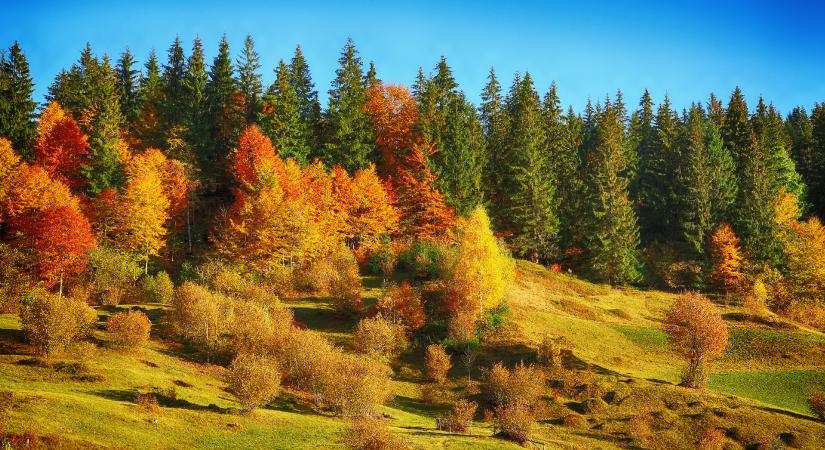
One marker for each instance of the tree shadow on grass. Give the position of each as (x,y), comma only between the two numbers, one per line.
(320,318)
(13,342)
(130,396)
(415,406)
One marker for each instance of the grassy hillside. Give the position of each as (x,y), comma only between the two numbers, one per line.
(618,352)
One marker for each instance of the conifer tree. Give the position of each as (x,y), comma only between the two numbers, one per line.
(128,87)
(642,135)
(308,105)
(224,107)
(570,186)
(612,234)
(249,80)
(280,118)
(771,135)
(17,108)
(371,79)
(348,137)
(814,165)
(194,86)
(149,128)
(494,126)
(174,100)
(531,199)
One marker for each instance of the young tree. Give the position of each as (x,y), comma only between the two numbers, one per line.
(61,147)
(17,107)
(255,380)
(437,363)
(806,267)
(726,258)
(51,323)
(697,333)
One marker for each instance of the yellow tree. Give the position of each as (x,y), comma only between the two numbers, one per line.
(483,268)
(806,266)
(726,258)
(371,213)
(144,208)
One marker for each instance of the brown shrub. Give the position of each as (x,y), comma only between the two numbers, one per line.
(513,421)
(345,286)
(129,329)
(254,380)
(307,361)
(402,304)
(549,354)
(200,315)
(523,384)
(358,386)
(434,393)
(259,330)
(438,363)
(380,338)
(639,428)
(148,402)
(712,439)
(698,334)
(817,403)
(51,322)
(574,420)
(370,434)
(459,418)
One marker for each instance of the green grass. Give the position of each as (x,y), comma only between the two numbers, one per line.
(785,389)
(649,339)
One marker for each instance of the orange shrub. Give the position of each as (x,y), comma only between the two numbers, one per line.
(712,439)
(370,434)
(129,329)
(254,380)
(402,304)
(379,337)
(459,418)
(258,329)
(513,421)
(438,363)
(698,334)
(817,403)
(524,384)
(358,386)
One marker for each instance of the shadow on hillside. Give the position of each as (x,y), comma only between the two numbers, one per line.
(787,413)
(320,319)
(118,395)
(13,342)
(130,396)
(289,404)
(415,406)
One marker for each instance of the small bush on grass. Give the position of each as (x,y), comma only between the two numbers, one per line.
(639,428)
(513,421)
(438,363)
(158,288)
(148,401)
(51,322)
(345,285)
(358,386)
(254,380)
(574,420)
(113,273)
(402,304)
(129,329)
(817,403)
(523,384)
(712,439)
(370,434)
(549,354)
(380,338)
(258,329)
(459,418)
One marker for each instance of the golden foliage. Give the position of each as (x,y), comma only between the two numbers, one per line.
(697,333)
(255,380)
(129,329)
(726,257)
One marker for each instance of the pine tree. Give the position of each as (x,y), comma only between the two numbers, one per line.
(194,86)
(348,137)
(103,118)
(494,126)
(371,79)
(642,136)
(224,108)
(174,100)
(281,118)
(249,80)
(127,85)
(530,189)
(814,164)
(772,137)
(612,235)
(149,127)
(308,105)
(567,167)
(17,108)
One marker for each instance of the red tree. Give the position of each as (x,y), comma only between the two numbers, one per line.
(61,151)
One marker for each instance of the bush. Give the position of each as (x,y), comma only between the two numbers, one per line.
(513,421)
(383,259)
(639,428)
(198,314)
(756,301)
(358,386)
(423,259)
(129,329)
(438,363)
(254,380)
(148,402)
(698,334)
(51,322)
(712,439)
(459,418)
(817,403)
(113,274)
(524,384)
(370,434)
(549,354)
(379,337)
(308,362)
(158,289)
(345,285)
(574,420)
(402,304)
(259,330)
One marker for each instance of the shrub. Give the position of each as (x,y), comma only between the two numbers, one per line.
(148,402)
(358,386)
(459,418)
(370,434)
(817,403)
(14,281)
(345,285)
(198,314)
(513,421)
(259,330)
(496,380)
(129,329)
(51,322)
(308,361)
(423,259)
(254,380)
(402,304)
(574,420)
(698,334)
(158,289)
(438,363)
(524,384)
(113,273)
(712,439)
(379,337)
(383,259)
(549,354)
(639,428)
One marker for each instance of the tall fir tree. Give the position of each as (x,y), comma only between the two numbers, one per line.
(611,232)
(249,80)
(194,87)
(308,105)
(772,136)
(104,119)
(224,110)
(149,127)
(811,162)
(128,79)
(349,139)
(17,107)
(494,126)
(280,118)
(531,201)
(174,93)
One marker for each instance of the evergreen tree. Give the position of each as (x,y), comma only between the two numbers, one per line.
(174,93)
(611,233)
(128,86)
(149,128)
(308,105)
(371,78)
(348,136)
(249,80)
(224,108)
(532,219)
(642,137)
(716,111)
(736,131)
(494,125)
(17,108)
(103,118)
(812,163)
(771,135)
(194,87)
(281,118)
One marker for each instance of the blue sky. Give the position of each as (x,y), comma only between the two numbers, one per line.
(772,49)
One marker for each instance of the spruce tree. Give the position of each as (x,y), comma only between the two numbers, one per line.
(249,80)
(105,168)
(772,136)
(281,118)
(309,107)
(531,201)
(174,93)
(611,237)
(348,136)
(494,126)
(224,107)
(127,85)
(194,87)
(371,79)
(812,162)
(17,107)
(149,127)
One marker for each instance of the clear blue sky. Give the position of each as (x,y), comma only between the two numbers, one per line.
(688,50)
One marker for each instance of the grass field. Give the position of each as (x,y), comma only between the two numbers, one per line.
(761,383)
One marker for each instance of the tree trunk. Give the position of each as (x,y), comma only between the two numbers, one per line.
(60,292)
